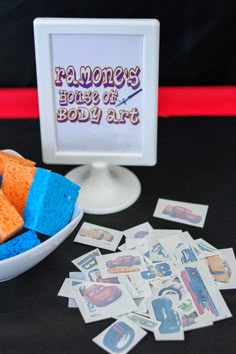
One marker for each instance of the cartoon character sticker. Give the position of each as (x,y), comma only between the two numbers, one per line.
(162,309)
(202,288)
(182,212)
(223,269)
(120,337)
(98,236)
(97,301)
(125,262)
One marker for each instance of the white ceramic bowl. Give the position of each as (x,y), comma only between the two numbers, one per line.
(14,266)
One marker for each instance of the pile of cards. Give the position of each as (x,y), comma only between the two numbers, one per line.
(161,281)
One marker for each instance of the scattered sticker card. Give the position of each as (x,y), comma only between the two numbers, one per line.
(98,236)
(127,262)
(182,212)
(97,301)
(120,337)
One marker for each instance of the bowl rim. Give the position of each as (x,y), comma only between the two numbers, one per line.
(51,239)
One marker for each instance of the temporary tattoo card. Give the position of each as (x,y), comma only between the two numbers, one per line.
(97,301)
(150,274)
(127,262)
(76,276)
(178,248)
(204,291)
(182,212)
(126,281)
(163,310)
(66,289)
(122,247)
(140,244)
(143,288)
(88,264)
(138,231)
(171,287)
(223,269)
(99,236)
(142,306)
(156,251)
(175,289)
(206,249)
(120,337)
(165,269)
(94,274)
(91,272)
(143,321)
(87,261)
(183,253)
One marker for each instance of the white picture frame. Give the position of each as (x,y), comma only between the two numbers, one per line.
(132,46)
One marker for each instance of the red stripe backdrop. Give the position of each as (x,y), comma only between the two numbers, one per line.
(173,102)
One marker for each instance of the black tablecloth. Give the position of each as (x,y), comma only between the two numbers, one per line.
(196,164)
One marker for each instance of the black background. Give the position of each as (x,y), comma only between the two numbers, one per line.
(197,38)
(196,164)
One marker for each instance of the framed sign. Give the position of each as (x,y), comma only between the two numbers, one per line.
(97,85)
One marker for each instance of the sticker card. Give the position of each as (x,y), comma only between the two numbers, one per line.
(203,289)
(122,247)
(156,251)
(206,249)
(98,236)
(164,269)
(75,276)
(150,274)
(223,269)
(91,272)
(142,306)
(178,248)
(118,263)
(143,321)
(143,288)
(98,301)
(94,275)
(182,212)
(160,233)
(175,289)
(162,310)
(137,244)
(120,337)
(139,231)
(87,261)
(66,289)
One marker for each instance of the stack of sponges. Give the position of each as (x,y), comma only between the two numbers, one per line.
(50,202)
(16,182)
(11,222)
(19,244)
(6,157)
(34,198)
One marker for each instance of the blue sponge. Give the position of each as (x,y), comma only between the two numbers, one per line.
(19,244)
(50,202)
(0,180)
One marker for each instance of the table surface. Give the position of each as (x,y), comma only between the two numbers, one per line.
(196,164)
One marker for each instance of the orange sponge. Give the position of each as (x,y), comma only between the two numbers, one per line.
(6,156)
(11,222)
(16,182)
